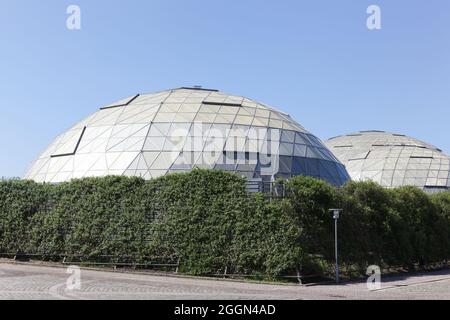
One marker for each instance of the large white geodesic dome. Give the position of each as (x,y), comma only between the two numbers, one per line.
(151,135)
(393,160)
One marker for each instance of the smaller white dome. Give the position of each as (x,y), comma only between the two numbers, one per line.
(393,160)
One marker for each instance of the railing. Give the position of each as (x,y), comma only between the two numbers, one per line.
(151,263)
(101,260)
(269,188)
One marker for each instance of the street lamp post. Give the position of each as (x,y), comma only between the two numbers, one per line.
(336,213)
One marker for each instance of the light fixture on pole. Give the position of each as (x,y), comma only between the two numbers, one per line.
(336,214)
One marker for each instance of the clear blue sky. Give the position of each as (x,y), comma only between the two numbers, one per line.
(314,59)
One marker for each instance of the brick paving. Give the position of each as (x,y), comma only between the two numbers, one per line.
(29,281)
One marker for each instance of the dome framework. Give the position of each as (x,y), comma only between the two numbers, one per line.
(151,135)
(393,160)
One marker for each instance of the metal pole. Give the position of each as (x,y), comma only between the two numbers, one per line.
(336,249)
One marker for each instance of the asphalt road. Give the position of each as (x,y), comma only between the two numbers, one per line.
(26,281)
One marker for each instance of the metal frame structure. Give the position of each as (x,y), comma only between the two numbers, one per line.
(151,135)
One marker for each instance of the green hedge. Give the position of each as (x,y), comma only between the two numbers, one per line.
(206,221)
(20,201)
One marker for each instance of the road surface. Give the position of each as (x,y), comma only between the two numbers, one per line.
(27,281)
